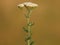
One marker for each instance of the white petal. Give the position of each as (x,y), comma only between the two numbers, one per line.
(30,4)
(21,5)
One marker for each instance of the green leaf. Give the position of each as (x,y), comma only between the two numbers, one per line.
(25,29)
(27,38)
(32,43)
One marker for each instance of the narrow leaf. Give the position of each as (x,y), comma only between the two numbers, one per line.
(25,29)
(32,43)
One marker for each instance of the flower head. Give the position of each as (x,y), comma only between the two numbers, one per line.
(28,5)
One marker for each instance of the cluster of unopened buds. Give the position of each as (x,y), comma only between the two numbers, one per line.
(29,6)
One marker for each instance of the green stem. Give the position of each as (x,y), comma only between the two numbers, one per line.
(29,30)
(28,27)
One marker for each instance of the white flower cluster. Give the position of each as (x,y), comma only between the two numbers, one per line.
(28,4)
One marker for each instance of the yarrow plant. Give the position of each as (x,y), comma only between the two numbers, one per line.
(29,6)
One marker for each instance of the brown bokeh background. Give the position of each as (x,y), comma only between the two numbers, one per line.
(46,17)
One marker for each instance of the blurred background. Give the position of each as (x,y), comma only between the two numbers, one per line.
(46,17)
